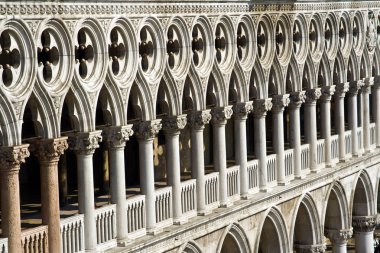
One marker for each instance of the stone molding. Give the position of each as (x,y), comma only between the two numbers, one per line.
(220,115)
(355,87)
(318,248)
(12,157)
(297,98)
(279,102)
(199,119)
(117,136)
(85,143)
(241,110)
(339,236)
(327,92)
(174,124)
(47,150)
(147,130)
(341,89)
(261,107)
(364,223)
(312,95)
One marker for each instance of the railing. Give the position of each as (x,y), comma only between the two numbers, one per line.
(335,148)
(305,158)
(360,139)
(35,240)
(253,177)
(372,135)
(233,181)
(289,164)
(3,245)
(72,234)
(321,153)
(106,227)
(136,216)
(188,198)
(347,141)
(271,169)
(164,207)
(212,190)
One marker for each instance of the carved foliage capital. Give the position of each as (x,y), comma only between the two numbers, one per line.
(85,143)
(297,98)
(174,124)
(355,87)
(318,248)
(364,223)
(261,107)
(280,102)
(12,157)
(339,236)
(341,89)
(199,119)
(116,137)
(327,92)
(221,115)
(241,110)
(313,95)
(49,149)
(147,130)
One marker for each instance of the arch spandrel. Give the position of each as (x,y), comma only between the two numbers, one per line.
(190,247)
(233,238)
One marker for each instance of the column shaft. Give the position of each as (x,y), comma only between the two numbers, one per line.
(311,126)
(376,110)
(241,154)
(364,242)
(353,121)
(295,139)
(198,168)
(220,162)
(327,92)
(278,145)
(366,117)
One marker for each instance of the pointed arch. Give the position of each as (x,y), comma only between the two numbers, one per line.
(10,132)
(308,75)
(352,68)
(168,94)
(324,72)
(233,239)
(110,99)
(365,65)
(363,197)
(142,105)
(257,80)
(276,80)
(292,81)
(241,85)
(339,73)
(189,247)
(217,82)
(376,63)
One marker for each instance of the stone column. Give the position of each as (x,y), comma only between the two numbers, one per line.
(241,111)
(48,152)
(260,108)
(327,92)
(315,248)
(172,127)
(339,239)
(340,92)
(353,115)
(10,160)
(84,145)
(279,103)
(376,108)
(116,137)
(219,121)
(364,226)
(296,100)
(310,115)
(366,117)
(197,121)
(146,131)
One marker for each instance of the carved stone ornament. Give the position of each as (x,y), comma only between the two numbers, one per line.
(355,87)
(174,124)
(327,92)
(261,106)
(367,83)
(297,98)
(199,119)
(147,130)
(341,89)
(364,223)
(313,95)
(371,32)
(85,143)
(12,157)
(116,136)
(221,115)
(339,236)
(318,248)
(280,102)
(241,110)
(49,149)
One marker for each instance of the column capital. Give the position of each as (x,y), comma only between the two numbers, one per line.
(364,223)
(376,82)
(341,89)
(147,130)
(279,102)
(174,124)
(12,157)
(339,236)
(312,95)
(117,136)
(220,115)
(49,149)
(297,98)
(85,143)
(367,83)
(327,92)
(261,107)
(316,248)
(199,119)
(241,110)
(355,87)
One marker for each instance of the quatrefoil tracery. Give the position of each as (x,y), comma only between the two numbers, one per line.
(313,36)
(296,38)
(9,58)
(342,33)
(84,53)
(241,41)
(355,31)
(280,39)
(197,45)
(261,40)
(328,34)
(146,49)
(117,51)
(47,56)
(172,47)
(220,43)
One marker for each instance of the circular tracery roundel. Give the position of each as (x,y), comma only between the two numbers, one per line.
(357,33)
(378,29)
(246,47)
(283,44)
(54,56)
(17,58)
(315,38)
(265,42)
(330,36)
(200,44)
(344,36)
(224,44)
(122,51)
(300,42)
(89,57)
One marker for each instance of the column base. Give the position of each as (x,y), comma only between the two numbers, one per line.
(283,183)
(330,165)
(203,212)
(315,171)
(244,197)
(299,177)
(154,231)
(357,155)
(265,189)
(180,221)
(225,205)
